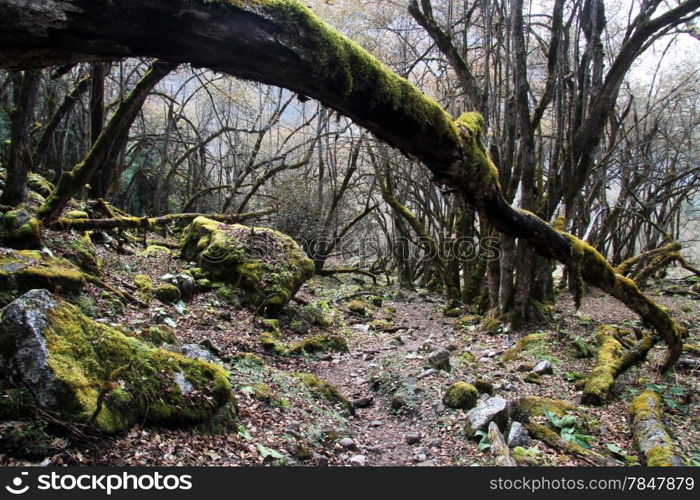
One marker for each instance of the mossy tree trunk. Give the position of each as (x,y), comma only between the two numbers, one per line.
(19,162)
(109,140)
(283,43)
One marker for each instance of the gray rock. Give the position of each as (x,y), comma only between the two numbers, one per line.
(185,386)
(23,323)
(413,437)
(543,368)
(440,360)
(377,449)
(348,444)
(494,409)
(364,402)
(195,351)
(426,373)
(320,460)
(358,461)
(517,435)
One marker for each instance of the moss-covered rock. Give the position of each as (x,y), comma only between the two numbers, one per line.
(76,214)
(268,266)
(319,343)
(160,334)
(39,184)
(90,373)
(144,283)
(167,293)
(491,325)
(18,229)
(483,386)
(326,391)
(155,250)
(24,270)
(357,306)
(461,395)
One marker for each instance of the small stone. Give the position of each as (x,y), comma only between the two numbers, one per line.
(196,352)
(543,368)
(377,449)
(517,435)
(533,378)
(348,444)
(376,423)
(362,402)
(413,437)
(320,460)
(484,360)
(440,360)
(427,373)
(358,461)
(460,395)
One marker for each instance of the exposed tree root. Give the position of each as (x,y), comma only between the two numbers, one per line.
(551,438)
(125,296)
(649,433)
(612,360)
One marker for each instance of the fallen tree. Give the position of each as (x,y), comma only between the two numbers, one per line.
(282,43)
(127,222)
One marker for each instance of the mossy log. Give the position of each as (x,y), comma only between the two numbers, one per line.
(646,412)
(612,360)
(281,42)
(150,223)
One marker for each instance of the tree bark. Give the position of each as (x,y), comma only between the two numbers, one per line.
(284,44)
(19,162)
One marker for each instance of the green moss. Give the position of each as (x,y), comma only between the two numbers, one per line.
(461,395)
(155,250)
(646,411)
(248,358)
(529,343)
(77,249)
(534,406)
(271,344)
(533,378)
(357,306)
(76,214)
(608,364)
(483,386)
(144,283)
(273,326)
(491,325)
(325,391)
(469,320)
(319,343)
(140,381)
(167,293)
(160,334)
(453,312)
(24,270)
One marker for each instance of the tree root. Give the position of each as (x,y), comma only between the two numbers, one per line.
(649,433)
(125,296)
(551,438)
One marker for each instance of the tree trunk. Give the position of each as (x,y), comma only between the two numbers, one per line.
(109,139)
(19,162)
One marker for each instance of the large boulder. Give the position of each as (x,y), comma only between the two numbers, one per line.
(87,372)
(23,270)
(18,229)
(266,265)
(494,409)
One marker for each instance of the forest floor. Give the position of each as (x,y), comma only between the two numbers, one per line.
(400,418)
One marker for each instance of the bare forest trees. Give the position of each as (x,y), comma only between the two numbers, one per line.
(564,139)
